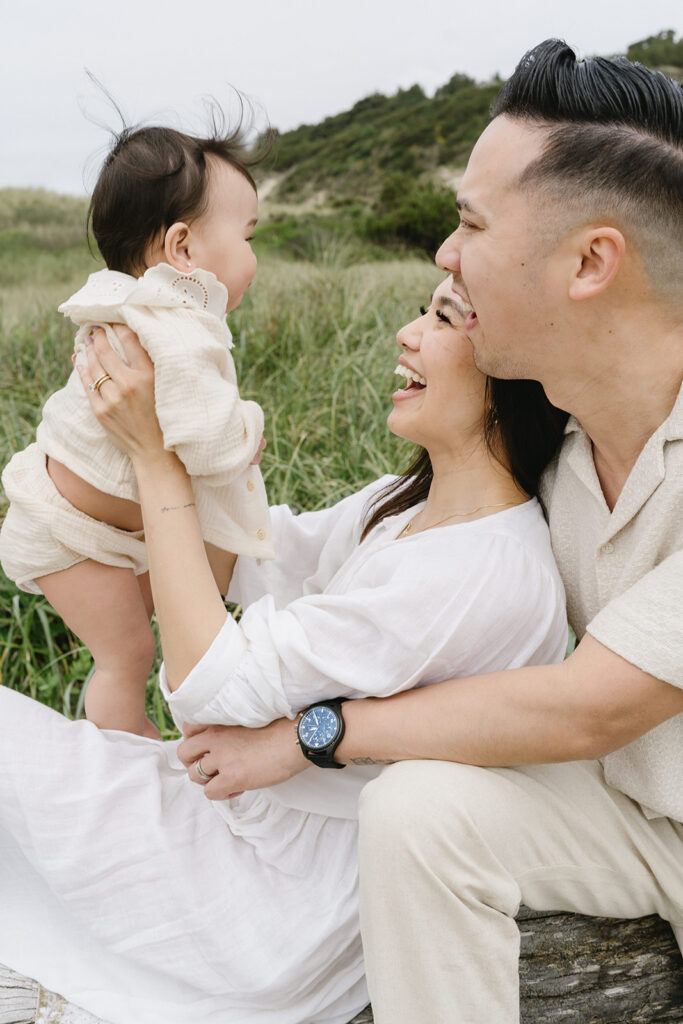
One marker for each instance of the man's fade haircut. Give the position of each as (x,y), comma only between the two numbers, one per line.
(153,177)
(614,148)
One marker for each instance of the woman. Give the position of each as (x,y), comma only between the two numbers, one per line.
(126,890)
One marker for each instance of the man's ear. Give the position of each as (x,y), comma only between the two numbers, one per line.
(177,247)
(601,254)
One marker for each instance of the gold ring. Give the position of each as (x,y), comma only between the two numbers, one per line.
(96,385)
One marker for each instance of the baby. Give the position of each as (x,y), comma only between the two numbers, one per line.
(173,217)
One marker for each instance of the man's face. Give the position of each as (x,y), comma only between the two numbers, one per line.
(498,256)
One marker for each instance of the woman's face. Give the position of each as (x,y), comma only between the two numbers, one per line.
(442,404)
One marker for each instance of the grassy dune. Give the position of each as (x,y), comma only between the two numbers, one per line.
(313,344)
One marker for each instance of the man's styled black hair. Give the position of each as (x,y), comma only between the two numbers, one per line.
(550,84)
(614,147)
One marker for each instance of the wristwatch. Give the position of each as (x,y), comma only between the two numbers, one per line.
(319,732)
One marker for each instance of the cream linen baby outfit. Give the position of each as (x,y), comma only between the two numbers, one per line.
(180,320)
(449,851)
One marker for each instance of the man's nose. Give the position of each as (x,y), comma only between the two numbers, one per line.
(448,256)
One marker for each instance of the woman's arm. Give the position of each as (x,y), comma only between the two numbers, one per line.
(585,707)
(188,605)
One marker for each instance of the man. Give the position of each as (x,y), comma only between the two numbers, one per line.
(563,787)
(569,254)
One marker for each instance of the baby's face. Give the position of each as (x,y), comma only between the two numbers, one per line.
(221,237)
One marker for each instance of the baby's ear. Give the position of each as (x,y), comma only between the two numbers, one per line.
(177,247)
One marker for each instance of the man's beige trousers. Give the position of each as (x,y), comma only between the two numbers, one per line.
(449,851)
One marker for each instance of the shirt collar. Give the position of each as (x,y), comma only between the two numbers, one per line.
(671,429)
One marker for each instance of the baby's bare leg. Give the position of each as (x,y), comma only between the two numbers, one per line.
(105,607)
(222,565)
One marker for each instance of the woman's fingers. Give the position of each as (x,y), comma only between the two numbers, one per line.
(121,395)
(95,351)
(94,377)
(135,355)
(192,748)
(202,770)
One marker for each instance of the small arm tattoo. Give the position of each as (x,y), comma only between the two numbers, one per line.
(174,508)
(369,760)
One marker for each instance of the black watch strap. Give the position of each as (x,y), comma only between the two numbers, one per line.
(323,757)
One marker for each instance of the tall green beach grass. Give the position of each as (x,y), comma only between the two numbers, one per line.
(314,345)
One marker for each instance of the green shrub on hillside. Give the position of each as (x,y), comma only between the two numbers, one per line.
(352,152)
(412,215)
(657,51)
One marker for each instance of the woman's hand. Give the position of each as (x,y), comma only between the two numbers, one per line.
(124,401)
(238,759)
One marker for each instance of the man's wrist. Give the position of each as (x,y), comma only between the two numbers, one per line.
(358,746)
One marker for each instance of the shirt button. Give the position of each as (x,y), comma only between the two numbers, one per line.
(607,548)
(250,485)
(261,534)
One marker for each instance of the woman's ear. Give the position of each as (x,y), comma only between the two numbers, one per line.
(601,254)
(177,247)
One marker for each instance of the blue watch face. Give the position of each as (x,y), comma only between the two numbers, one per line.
(318,727)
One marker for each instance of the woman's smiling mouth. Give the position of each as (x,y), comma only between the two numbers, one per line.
(412,376)
(415,383)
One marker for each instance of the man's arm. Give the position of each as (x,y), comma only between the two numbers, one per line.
(589,705)
(585,707)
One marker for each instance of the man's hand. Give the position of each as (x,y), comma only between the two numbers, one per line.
(237,759)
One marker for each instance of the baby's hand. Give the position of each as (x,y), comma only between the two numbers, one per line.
(257,458)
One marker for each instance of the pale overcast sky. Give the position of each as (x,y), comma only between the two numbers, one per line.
(299,59)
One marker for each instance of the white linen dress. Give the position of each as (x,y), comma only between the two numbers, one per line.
(123,888)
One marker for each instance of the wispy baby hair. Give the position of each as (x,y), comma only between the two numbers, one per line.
(153,177)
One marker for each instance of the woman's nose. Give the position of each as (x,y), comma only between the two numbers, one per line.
(448,256)
(409,335)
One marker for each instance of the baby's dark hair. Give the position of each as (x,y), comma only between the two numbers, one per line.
(152,178)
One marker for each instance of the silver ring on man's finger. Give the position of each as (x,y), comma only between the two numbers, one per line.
(97,384)
(200,771)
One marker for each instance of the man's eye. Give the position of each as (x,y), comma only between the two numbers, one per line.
(442,316)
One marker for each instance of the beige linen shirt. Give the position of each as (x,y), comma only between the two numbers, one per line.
(623,574)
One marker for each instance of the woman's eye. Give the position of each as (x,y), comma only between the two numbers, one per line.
(423,311)
(444,319)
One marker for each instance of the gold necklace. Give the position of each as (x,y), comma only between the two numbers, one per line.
(432,526)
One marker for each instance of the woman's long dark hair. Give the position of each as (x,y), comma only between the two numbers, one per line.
(522,430)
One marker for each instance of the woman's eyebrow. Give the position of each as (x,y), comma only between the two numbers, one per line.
(445,301)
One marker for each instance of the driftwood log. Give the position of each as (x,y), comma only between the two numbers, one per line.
(594,970)
(573,970)
(18,998)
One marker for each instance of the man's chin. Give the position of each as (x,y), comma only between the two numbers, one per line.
(500,366)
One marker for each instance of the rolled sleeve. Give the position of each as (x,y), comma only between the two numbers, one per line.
(208,676)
